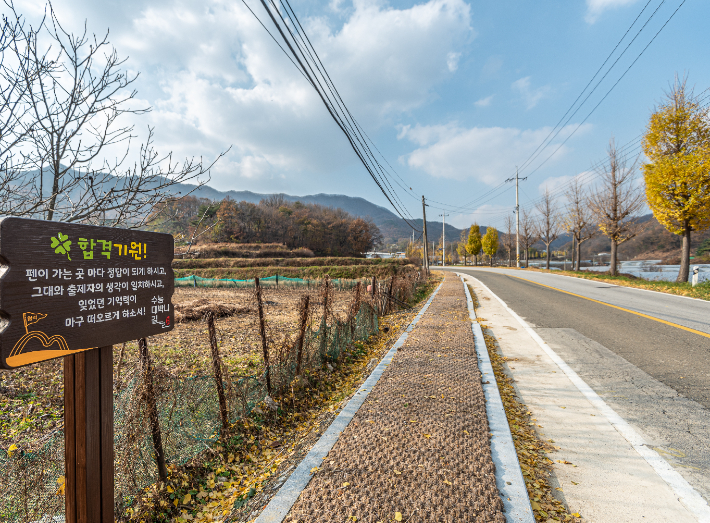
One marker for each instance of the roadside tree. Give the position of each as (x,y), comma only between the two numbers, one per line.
(461,250)
(548,226)
(616,203)
(489,243)
(578,220)
(473,246)
(677,175)
(528,233)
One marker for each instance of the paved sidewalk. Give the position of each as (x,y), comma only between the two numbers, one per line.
(418,449)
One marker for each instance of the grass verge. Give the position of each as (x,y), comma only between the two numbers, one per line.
(700,291)
(531,449)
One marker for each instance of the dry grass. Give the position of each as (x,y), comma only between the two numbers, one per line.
(214,263)
(245,250)
(348,272)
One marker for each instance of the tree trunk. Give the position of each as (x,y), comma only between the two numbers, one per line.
(547,262)
(475,260)
(685,257)
(579,256)
(574,253)
(612,268)
(491,257)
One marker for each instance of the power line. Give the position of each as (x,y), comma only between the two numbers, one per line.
(540,148)
(312,69)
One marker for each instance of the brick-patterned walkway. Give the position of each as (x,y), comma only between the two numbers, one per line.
(419,446)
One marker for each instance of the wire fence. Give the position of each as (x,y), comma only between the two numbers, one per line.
(189,418)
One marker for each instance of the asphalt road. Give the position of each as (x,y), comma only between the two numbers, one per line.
(675,357)
(654,375)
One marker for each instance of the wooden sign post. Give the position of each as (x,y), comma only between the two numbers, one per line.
(66,289)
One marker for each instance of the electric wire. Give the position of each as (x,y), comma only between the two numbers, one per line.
(366,158)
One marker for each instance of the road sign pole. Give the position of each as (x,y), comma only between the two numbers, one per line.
(426,243)
(88,436)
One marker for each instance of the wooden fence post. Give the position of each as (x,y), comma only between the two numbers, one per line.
(152,408)
(305,300)
(262,332)
(88,436)
(324,320)
(217,366)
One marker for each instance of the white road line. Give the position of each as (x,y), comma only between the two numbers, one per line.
(509,477)
(687,495)
(280,505)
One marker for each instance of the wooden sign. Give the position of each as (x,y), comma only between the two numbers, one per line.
(66,288)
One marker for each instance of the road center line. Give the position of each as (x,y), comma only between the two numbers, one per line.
(700,333)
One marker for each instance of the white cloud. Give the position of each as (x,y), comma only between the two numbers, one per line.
(530,96)
(484,102)
(485,154)
(452,61)
(215,78)
(596,7)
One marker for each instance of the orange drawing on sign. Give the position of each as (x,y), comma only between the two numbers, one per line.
(18,357)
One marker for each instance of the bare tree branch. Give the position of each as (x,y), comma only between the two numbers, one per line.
(616,203)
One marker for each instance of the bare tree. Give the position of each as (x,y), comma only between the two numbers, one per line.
(548,226)
(528,233)
(14,127)
(616,202)
(578,220)
(509,238)
(77,94)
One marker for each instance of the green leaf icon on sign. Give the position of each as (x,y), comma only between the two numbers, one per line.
(61,244)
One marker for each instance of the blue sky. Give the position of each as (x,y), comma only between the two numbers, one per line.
(455,94)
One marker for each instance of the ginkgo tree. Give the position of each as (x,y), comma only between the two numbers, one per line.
(677,174)
(489,242)
(473,246)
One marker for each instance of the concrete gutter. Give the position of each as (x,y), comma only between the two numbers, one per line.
(280,505)
(509,477)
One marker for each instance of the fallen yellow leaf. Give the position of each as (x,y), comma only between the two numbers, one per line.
(398,516)
(186,499)
(314,470)
(346,484)
(427,436)
(397,472)
(448,482)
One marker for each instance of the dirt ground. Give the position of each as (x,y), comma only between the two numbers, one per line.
(32,398)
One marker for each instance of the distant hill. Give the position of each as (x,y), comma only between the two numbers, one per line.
(393,228)
(653,243)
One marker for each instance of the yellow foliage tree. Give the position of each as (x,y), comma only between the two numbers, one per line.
(677,175)
(473,246)
(490,243)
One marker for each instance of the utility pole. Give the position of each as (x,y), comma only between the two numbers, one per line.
(443,241)
(517,223)
(426,243)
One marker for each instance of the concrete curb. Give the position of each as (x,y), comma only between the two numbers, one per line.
(509,477)
(280,505)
